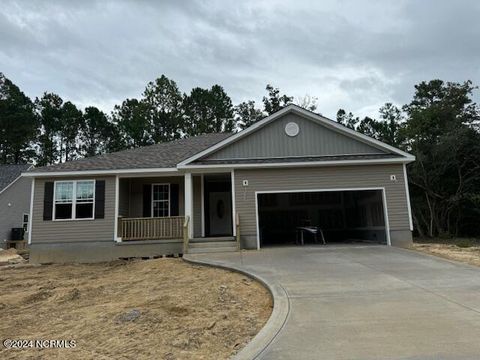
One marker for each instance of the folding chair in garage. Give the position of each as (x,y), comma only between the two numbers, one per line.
(314,230)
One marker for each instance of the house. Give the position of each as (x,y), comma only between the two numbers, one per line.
(258,187)
(14,200)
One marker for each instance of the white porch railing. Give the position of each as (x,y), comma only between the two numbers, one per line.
(161,228)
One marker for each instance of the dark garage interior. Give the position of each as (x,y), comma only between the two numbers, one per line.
(343,217)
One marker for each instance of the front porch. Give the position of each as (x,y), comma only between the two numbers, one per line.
(180,209)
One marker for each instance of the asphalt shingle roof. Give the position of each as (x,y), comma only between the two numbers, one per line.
(8,174)
(163,155)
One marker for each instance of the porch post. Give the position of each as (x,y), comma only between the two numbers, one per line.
(117,198)
(30,216)
(189,202)
(234,211)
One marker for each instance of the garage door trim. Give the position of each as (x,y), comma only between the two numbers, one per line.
(382,189)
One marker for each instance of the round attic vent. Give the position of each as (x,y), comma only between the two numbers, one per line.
(292,129)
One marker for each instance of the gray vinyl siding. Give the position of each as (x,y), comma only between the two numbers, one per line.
(136,193)
(18,196)
(197,206)
(360,176)
(313,140)
(73,230)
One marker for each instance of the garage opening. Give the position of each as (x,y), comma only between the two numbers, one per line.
(347,216)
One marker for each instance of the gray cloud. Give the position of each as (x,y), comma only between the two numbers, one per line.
(351,54)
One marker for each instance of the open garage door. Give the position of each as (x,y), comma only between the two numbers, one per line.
(344,216)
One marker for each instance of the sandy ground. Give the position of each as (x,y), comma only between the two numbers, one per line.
(470,255)
(160,309)
(10,256)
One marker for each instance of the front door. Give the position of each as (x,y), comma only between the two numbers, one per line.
(218,206)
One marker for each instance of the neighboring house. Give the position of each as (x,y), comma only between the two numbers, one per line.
(14,200)
(290,169)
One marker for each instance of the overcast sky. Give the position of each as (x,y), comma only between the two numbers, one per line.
(354,55)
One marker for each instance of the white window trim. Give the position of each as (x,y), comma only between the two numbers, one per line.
(152,200)
(74,199)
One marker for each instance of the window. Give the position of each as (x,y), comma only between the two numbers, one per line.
(160,200)
(74,200)
(84,199)
(25,222)
(63,200)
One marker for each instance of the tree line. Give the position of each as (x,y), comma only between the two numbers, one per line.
(49,130)
(440,126)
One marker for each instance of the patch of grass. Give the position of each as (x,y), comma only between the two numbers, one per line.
(470,255)
(460,242)
(465,243)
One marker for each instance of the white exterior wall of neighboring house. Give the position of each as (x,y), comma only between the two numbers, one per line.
(14,203)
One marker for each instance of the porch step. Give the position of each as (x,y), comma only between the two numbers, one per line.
(222,243)
(212,239)
(212,246)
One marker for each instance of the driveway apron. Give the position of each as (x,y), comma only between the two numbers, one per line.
(366,302)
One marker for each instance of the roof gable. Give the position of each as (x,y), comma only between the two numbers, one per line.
(318,137)
(313,139)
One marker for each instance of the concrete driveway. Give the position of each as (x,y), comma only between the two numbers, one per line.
(365,302)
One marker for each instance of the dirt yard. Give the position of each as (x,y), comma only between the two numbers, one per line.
(160,309)
(470,254)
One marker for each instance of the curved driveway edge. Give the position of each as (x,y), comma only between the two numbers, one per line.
(360,302)
(276,321)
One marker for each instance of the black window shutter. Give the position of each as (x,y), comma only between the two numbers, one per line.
(99,199)
(147,200)
(174,199)
(48,201)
